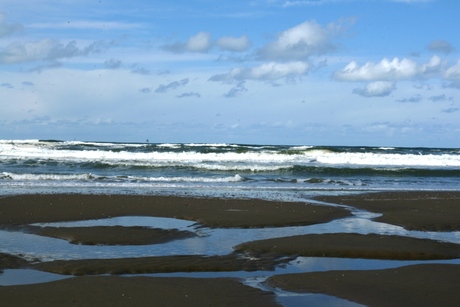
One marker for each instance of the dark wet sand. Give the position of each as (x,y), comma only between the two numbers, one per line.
(403,285)
(110,235)
(425,211)
(11,262)
(415,285)
(136,291)
(161,264)
(351,245)
(210,212)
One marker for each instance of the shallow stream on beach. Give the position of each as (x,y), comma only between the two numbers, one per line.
(210,241)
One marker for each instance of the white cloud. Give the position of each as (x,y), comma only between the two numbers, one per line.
(48,50)
(202,42)
(386,70)
(453,72)
(233,43)
(265,72)
(376,89)
(301,42)
(24,52)
(199,43)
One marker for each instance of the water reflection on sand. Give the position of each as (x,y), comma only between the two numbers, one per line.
(209,241)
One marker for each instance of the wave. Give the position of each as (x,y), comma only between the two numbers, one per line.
(41,177)
(224,156)
(230,160)
(93,177)
(69,179)
(375,171)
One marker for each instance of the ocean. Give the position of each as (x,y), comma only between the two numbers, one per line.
(223,170)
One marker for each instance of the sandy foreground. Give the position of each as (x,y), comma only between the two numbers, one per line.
(428,285)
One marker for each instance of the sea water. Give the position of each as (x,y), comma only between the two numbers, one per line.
(230,170)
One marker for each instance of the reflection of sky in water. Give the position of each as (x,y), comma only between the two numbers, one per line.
(254,279)
(212,242)
(208,242)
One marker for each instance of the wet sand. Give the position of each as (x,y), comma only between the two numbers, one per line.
(415,285)
(110,235)
(161,264)
(351,245)
(210,212)
(136,291)
(425,211)
(410,210)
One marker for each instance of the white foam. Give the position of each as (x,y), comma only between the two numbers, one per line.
(384,159)
(250,160)
(32,177)
(89,176)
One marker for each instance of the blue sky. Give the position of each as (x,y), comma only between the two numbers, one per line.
(324,72)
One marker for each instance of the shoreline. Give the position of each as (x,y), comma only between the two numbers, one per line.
(434,211)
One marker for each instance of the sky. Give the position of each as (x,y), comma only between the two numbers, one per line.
(300,72)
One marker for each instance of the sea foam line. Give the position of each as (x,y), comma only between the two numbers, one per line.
(89,176)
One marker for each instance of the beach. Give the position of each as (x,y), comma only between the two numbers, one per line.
(117,282)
